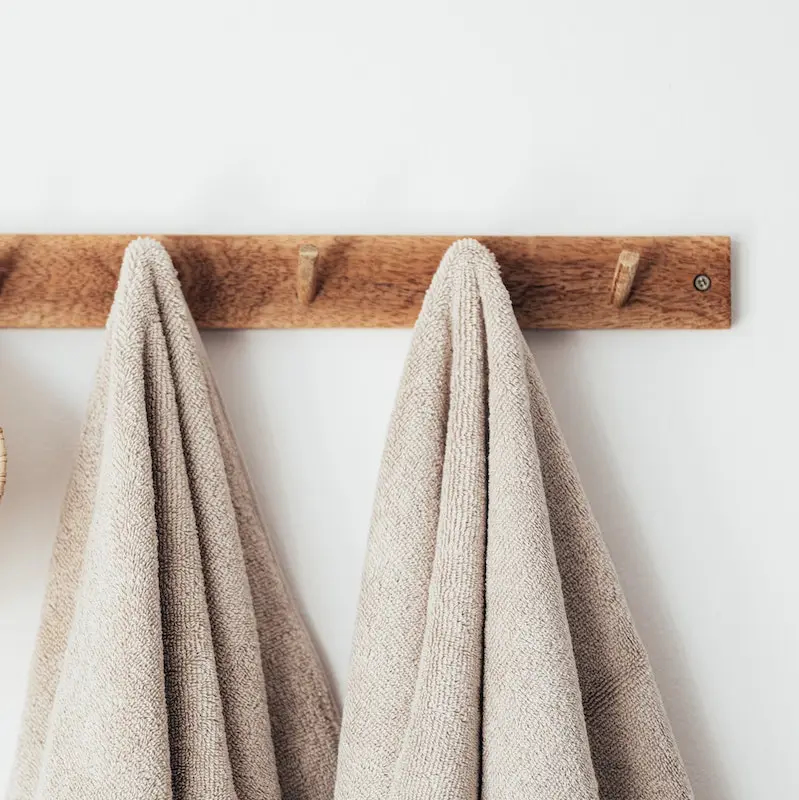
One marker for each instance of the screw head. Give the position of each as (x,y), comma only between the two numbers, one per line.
(701,283)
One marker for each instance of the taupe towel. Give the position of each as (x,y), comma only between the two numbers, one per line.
(171,661)
(494,653)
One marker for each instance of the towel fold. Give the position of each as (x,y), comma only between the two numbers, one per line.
(171,661)
(494,653)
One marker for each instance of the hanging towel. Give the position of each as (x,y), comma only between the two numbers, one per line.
(171,661)
(494,654)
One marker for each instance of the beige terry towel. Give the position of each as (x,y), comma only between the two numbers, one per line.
(171,661)
(494,653)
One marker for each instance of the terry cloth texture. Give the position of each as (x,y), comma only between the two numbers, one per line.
(494,653)
(171,661)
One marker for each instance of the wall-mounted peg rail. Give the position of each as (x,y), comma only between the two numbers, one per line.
(68,281)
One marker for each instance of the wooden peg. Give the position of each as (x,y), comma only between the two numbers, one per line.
(307,276)
(623,277)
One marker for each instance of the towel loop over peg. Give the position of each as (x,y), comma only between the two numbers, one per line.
(623,277)
(307,273)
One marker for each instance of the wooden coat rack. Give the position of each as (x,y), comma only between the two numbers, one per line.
(68,281)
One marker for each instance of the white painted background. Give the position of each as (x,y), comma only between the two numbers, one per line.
(435,117)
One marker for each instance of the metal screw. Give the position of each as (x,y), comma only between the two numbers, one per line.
(701,283)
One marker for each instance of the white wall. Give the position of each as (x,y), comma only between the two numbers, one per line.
(432,117)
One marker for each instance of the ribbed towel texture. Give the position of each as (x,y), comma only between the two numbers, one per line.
(171,661)
(494,653)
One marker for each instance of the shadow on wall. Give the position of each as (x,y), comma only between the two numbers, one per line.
(234,362)
(557,359)
(42,435)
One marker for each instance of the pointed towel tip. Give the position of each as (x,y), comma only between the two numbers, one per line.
(148,253)
(471,252)
(145,265)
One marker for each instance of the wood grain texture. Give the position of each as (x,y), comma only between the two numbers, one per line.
(68,281)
